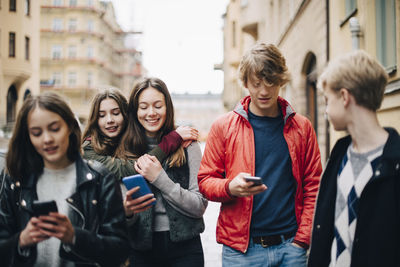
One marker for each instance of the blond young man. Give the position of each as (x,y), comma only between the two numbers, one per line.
(357,214)
(267,224)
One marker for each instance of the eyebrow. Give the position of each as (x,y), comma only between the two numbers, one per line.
(155,102)
(101,110)
(50,124)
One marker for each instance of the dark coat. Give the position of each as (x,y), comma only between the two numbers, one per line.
(98,218)
(377,235)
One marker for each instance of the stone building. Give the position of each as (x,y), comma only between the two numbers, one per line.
(309,34)
(197,110)
(19,60)
(83,50)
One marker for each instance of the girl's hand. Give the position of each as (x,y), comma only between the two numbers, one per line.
(148,166)
(136,205)
(31,234)
(58,226)
(187,133)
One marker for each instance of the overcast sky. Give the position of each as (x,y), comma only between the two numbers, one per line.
(181,40)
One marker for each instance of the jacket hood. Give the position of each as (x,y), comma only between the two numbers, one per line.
(242,108)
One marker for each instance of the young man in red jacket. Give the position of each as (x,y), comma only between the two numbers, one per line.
(267,224)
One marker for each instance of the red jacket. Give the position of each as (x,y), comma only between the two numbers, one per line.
(230,150)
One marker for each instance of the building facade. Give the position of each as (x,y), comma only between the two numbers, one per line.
(19,62)
(197,110)
(309,34)
(83,50)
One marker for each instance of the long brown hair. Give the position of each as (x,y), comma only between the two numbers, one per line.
(134,142)
(101,143)
(22,158)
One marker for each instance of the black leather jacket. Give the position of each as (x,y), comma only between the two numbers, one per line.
(98,218)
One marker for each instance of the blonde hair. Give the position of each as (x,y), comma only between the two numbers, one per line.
(360,74)
(265,62)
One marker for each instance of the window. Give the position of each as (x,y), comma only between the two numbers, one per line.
(72,24)
(90,52)
(57,2)
(90,2)
(90,25)
(57,24)
(13,5)
(56,52)
(233,33)
(386,33)
(72,51)
(72,79)
(350,7)
(90,79)
(11,45)
(72,2)
(27,7)
(27,40)
(57,77)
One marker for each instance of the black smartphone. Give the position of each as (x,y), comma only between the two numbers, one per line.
(43,207)
(255,179)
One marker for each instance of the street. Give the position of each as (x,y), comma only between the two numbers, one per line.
(212,250)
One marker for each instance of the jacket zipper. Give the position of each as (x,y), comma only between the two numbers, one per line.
(82,227)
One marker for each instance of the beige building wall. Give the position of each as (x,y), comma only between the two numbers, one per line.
(197,110)
(19,74)
(82,48)
(389,114)
(232,52)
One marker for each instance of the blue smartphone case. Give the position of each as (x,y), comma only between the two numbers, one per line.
(137,180)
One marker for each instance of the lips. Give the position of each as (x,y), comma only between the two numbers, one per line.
(264,100)
(152,122)
(112,129)
(51,150)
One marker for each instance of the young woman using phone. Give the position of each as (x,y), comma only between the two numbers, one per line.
(167,234)
(107,122)
(43,163)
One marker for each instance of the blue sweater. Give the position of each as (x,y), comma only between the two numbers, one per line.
(273,210)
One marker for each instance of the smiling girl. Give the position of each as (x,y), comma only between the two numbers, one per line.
(44,163)
(168,234)
(107,122)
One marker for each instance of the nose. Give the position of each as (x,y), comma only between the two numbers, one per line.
(110,118)
(48,137)
(152,111)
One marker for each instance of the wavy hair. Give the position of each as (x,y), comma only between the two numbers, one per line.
(101,143)
(134,142)
(265,62)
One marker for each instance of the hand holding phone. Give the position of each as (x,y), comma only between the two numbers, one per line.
(137,180)
(255,179)
(43,207)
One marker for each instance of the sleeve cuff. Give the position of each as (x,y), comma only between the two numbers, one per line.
(24,252)
(227,189)
(170,142)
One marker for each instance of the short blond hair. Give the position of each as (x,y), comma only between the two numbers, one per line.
(265,62)
(360,74)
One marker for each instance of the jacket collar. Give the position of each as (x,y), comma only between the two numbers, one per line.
(243,108)
(83,174)
(390,150)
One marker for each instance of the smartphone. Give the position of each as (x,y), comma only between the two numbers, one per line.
(43,207)
(255,179)
(137,180)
